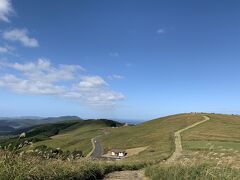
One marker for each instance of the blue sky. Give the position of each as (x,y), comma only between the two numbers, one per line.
(137,59)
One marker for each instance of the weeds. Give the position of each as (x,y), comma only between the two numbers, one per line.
(14,166)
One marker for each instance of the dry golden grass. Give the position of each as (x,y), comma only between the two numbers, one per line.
(156,134)
(222,131)
(135,151)
(14,166)
(198,165)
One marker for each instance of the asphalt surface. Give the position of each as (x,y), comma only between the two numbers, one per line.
(98,150)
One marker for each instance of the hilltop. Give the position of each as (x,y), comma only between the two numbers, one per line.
(205,138)
(156,135)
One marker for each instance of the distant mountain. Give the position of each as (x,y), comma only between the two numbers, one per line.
(21,117)
(61,118)
(65,125)
(9,125)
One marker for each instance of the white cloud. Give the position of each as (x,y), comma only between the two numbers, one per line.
(95,91)
(5,10)
(91,82)
(43,78)
(161,31)
(29,87)
(115,76)
(20,35)
(5,49)
(114,54)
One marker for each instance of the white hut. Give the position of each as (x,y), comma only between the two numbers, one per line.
(118,152)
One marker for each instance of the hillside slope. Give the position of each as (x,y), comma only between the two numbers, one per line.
(9,126)
(67,135)
(78,136)
(157,135)
(222,132)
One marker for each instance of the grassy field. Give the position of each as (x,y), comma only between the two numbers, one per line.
(219,134)
(199,171)
(156,134)
(13,166)
(77,137)
(211,150)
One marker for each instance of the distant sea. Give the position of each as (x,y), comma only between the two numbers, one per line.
(130,121)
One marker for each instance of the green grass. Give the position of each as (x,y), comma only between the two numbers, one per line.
(218,146)
(200,171)
(37,133)
(77,137)
(221,132)
(156,134)
(30,167)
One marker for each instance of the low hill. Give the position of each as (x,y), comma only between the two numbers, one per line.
(78,136)
(156,134)
(10,125)
(67,135)
(35,133)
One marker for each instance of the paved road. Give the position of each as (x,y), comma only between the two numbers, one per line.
(98,150)
(178,142)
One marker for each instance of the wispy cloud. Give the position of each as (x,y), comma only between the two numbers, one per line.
(43,78)
(115,77)
(161,31)
(114,54)
(128,64)
(94,90)
(20,35)
(6,49)
(5,10)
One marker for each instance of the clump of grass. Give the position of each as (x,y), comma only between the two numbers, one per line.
(199,171)
(199,166)
(14,166)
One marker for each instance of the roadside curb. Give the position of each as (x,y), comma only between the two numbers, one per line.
(93,148)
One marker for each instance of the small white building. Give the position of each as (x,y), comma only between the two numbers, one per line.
(118,152)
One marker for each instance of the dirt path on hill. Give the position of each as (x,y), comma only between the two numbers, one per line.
(178,141)
(139,175)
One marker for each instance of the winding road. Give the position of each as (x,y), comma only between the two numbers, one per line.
(97,148)
(178,141)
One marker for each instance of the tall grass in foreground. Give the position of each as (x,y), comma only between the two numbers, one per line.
(200,171)
(196,171)
(30,167)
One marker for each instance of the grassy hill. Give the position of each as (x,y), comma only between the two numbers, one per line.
(67,135)
(10,125)
(221,132)
(157,135)
(210,151)
(36,133)
(78,136)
